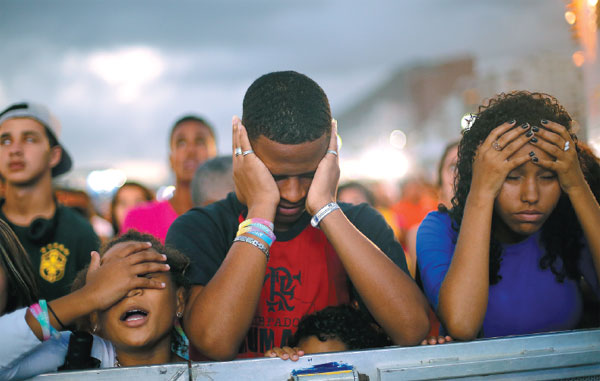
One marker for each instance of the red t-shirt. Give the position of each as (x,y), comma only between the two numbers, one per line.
(304,275)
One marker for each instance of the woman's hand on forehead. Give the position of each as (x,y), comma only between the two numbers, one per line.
(494,159)
(555,140)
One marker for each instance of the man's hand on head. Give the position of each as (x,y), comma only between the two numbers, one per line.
(325,182)
(254,184)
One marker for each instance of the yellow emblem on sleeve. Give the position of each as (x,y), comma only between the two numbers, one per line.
(53,261)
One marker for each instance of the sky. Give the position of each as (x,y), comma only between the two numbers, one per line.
(118,73)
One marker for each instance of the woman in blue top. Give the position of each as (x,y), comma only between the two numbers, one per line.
(524,226)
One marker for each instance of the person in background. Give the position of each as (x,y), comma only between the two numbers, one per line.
(257,259)
(355,193)
(447,173)
(192,142)
(127,197)
(212,181)
(445,189)
(57,239)
(416,200)
(507,259)
(81,202)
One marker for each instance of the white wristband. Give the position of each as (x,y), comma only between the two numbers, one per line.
(324,211)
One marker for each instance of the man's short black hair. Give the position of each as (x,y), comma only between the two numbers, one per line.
(191,118)
(286,107)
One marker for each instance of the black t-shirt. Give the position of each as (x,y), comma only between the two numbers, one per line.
(58,249)
(206,234)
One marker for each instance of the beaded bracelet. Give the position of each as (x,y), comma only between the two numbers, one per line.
(253,242)
(40,313)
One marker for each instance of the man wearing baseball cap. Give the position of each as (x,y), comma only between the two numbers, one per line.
(57,239)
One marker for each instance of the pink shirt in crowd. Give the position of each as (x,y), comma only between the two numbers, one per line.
(153,218)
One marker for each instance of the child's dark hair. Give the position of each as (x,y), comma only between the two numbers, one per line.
(14,261)
(349,325)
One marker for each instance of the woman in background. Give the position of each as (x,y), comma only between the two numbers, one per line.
(128,196)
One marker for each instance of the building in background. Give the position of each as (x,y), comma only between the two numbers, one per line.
(426,103)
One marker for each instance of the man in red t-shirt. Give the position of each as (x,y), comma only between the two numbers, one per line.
(248,297)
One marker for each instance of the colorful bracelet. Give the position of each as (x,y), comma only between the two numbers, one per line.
(262,221)
(257,228)
(40,313)
(261,235)
(253,242)
(266,229)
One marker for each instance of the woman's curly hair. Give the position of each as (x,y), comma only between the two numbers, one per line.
(561,233)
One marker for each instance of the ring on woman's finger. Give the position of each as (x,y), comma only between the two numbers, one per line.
(566,146)
(332,152)
(237,151)
(496,146)
(247,152)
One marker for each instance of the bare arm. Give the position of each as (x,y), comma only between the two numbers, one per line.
(463,295)
(218,315)
(390,294)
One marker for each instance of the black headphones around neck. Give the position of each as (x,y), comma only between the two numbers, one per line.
(42,229)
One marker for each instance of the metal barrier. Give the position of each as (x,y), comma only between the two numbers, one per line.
(550,356)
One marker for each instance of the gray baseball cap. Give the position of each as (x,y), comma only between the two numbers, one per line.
(41,114)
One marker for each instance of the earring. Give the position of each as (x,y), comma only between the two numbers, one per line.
(179,314)
(94,329)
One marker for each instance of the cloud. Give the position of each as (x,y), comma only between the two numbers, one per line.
(119,73)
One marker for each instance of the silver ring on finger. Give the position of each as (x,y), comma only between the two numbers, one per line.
(332,152)
(496,146)
(567,146)
(237,151)
(247,152)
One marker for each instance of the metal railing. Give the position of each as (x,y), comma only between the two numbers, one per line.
(550,356)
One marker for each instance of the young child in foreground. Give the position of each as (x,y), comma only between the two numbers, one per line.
(134,300)
(333,329)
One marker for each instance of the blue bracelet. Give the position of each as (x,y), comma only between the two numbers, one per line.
(262,236)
